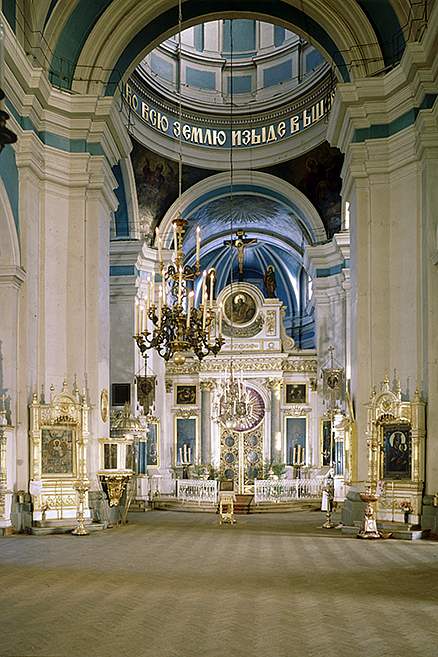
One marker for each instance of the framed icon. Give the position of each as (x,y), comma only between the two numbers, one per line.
(396,452)
(240,308)
(186,395)
(295,440)
(186,440)
(326,444)
(295,393)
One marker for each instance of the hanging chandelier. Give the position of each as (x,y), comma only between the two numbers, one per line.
(233,404)
(178,327)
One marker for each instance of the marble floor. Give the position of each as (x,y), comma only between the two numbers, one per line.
(174,584)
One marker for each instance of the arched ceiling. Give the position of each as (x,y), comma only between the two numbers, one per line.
(278,221)
(104,40)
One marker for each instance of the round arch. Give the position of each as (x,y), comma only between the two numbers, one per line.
(108,46)
(250,182)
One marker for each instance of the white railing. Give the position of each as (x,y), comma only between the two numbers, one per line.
(197,490)
(286,490)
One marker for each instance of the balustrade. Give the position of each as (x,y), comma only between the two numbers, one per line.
(197,490)
(285,490)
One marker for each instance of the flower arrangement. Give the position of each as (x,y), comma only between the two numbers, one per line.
(406,507)
(44,508)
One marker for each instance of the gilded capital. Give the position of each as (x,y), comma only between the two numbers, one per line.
(207,386)
(274,384)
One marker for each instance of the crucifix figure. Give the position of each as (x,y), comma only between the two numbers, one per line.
(240,243)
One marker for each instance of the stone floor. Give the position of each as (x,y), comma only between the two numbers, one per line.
(178,584)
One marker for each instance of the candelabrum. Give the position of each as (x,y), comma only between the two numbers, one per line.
(329,489)
(81,487)
(179,327)
(232,402)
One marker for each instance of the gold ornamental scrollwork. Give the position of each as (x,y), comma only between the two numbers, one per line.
(104,405)
(115,485)
(208,385)
(274,384)
(151,419)
(186,413)
(270,322)
(300,365)
(186,368)
(297,411)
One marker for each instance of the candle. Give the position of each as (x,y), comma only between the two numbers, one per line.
(160,252)
(190,455)
(204,285)
(295,455)
(175,241)
(141,320)
(160,304)
(220,318)
(302,456)
(136,317)
(204,314)
(148,302)
(153,291)
(211,289)
(180,456)
(185,452)
(180,286)
(198,244)
(189,308)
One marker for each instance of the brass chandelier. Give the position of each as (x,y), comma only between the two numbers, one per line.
(178,327)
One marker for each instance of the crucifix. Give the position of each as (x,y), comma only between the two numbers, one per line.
(240,243)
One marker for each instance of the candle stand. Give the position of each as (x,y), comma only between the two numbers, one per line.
(369,524)
(81,487)
(329,489)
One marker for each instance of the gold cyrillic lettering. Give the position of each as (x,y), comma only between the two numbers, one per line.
(246,137)
(307,119)
(163,123)
(271,134)
(153,117)
(236,137)
(281,129)
(197,135)
(255,139)
(186,132)
(318,111)
(207,137)
(294,124)
(144,111)
(221,137)
(176,129)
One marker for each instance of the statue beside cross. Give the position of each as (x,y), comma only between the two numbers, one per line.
(240,243)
